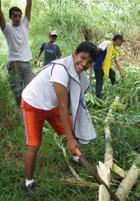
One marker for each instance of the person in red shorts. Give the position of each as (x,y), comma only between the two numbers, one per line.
(56,92)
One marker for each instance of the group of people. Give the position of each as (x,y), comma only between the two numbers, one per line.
(56,93)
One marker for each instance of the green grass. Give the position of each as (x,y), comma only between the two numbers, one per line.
(51,166)
(69,18)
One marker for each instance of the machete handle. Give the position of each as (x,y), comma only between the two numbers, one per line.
(95,174)
(77,151)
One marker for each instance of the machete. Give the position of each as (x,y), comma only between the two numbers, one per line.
(95,174)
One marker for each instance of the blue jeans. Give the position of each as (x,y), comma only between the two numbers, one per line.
(99,76)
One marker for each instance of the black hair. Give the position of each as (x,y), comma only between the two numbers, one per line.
(118,36)
(14,9)
(89,47)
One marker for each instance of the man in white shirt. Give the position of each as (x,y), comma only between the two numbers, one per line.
(19,56)
(52,95)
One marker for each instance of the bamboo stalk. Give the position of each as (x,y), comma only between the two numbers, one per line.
(119,171)
(108,157)
(80,183)
(127,183)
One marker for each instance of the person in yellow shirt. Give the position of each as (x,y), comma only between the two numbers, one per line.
(107,56)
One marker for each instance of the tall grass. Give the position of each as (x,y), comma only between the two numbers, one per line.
(51,166)
(71,19)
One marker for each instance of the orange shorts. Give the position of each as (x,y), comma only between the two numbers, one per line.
(34,120)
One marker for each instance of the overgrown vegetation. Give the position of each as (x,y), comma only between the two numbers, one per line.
(72,20)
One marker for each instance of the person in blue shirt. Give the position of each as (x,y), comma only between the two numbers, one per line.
(51,49)
(108,55)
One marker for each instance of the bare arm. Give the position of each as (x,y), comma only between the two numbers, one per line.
(2,19)
(28,9)
(38,57)
(120,69)
(40,52)
(63,102)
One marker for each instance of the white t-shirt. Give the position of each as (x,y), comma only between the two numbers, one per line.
(104,45)
(40,92)
(17,40)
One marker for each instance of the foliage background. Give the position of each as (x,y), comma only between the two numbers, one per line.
(72,19)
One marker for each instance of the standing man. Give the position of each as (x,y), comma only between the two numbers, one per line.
(16,34)
(108,54)
(52,95)
(51,49)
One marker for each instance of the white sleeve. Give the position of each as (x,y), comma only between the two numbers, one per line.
(60,75)
(25,21)
(7,29)
(104,45)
